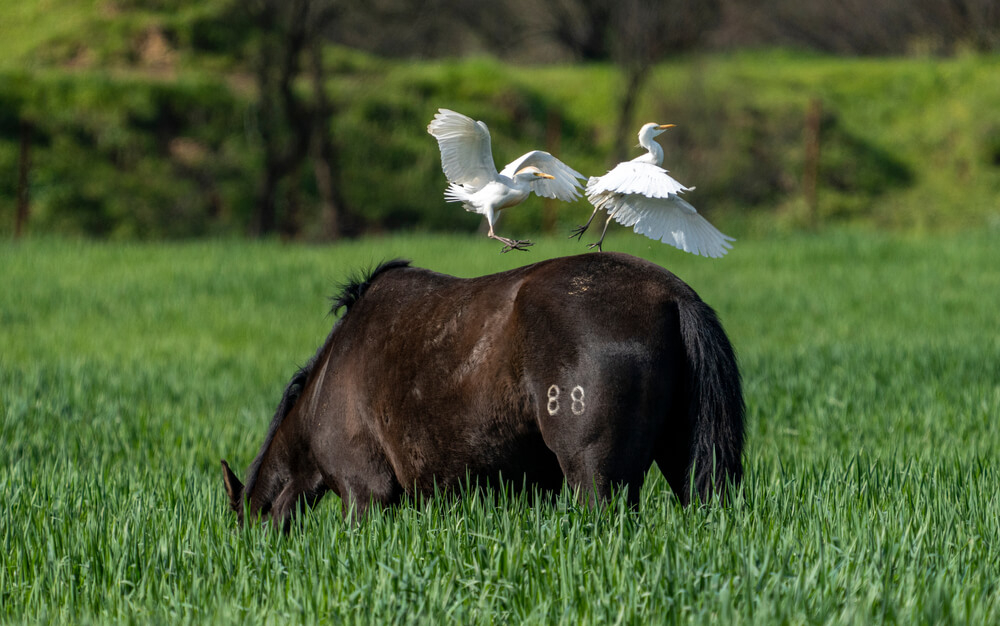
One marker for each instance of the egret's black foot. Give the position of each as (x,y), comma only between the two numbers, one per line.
(596,245)
(578,231)
(516,244)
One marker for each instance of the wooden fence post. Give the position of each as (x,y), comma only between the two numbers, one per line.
(810,174)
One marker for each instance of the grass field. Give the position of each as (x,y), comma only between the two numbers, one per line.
(872,374)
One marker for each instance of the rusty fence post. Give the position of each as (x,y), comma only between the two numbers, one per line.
(810,173)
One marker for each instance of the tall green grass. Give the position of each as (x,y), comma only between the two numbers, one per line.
(872,377)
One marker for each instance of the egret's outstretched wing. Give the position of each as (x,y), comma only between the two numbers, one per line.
(466,155)
(563,184)
(643,196)
(639,178)
(670,220)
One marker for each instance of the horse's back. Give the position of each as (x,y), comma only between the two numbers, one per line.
(607,293)
(582,353)
(605,315)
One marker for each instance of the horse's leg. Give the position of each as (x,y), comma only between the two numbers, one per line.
(674,452)
(673,462)
(354,506)
(297,493)
(600,434)
(358,495)
(596,456)
(594,475)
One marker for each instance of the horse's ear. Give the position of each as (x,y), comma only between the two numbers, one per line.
(234,488)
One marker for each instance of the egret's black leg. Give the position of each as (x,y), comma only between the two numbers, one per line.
(508,244)
(512,244)
(601,240)
(579,230)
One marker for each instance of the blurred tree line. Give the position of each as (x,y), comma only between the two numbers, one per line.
(579,30)
(172,118)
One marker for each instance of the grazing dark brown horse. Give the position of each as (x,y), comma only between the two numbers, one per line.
(584,369)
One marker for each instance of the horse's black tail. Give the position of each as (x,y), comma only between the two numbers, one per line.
(715,402)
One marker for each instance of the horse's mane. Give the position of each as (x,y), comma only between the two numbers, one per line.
(350,293)
(356,286)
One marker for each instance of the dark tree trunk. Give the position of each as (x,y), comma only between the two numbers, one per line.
(293,128)
(291,222)
(23,176)
(284,122)
(265,217)
(553,137)
(324,152)
(635,77)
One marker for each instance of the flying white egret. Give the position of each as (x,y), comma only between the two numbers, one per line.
(642,194)
(467,161)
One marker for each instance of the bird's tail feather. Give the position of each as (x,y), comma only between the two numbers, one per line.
(456,193)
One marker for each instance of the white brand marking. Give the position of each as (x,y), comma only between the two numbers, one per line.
(578,405)
(553,396)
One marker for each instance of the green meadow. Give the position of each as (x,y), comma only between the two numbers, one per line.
(871,367)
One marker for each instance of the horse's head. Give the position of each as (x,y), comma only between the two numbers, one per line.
(235,490)
(272,493)
(270,499)
(278,482)
(266,493)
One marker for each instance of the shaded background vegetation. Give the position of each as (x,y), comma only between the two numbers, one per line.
(306,118)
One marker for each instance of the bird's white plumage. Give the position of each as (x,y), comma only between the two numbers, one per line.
(643,195)
(467,161)
(562,185)
(635,177)
(671,220)
(466,153)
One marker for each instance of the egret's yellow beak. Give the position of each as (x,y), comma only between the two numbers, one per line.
(544,175)
(665,126)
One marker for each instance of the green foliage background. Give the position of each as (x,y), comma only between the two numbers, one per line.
(129,143)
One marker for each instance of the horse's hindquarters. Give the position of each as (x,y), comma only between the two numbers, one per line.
(604,362)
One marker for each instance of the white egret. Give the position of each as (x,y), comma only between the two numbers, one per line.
(467,161)
(642,194)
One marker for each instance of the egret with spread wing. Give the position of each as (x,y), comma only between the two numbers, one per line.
(473,180)
(642,194)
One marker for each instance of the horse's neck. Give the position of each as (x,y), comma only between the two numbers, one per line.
(272,475)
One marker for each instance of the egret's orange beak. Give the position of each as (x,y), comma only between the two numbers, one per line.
(665,126)
(544,175)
